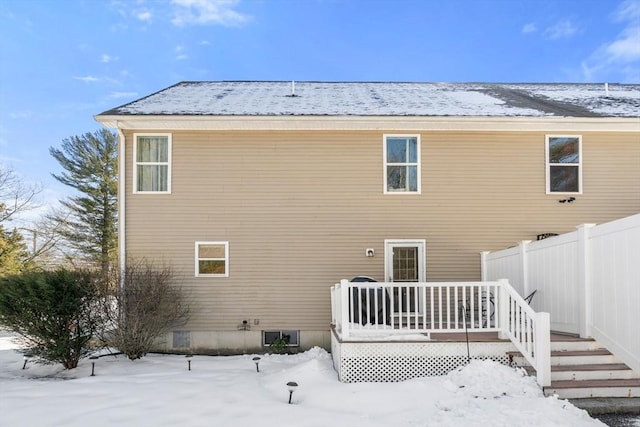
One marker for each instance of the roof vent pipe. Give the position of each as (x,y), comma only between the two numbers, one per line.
(606,89)
(293,88)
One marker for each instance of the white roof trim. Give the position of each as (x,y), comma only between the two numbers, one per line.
(404,123)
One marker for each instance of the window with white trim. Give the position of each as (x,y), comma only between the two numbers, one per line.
(152,163)
(402,164)
(212,259)
(563,164)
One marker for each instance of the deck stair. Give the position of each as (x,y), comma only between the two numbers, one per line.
(582,368)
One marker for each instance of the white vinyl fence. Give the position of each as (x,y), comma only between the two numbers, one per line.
(588,280)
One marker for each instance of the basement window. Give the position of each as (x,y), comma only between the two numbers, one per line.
(181,339)
(292,338)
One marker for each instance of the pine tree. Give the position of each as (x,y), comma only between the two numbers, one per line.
(90,164)
(14,256)
(54,312)
(16,197)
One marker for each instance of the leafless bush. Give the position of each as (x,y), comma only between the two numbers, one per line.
(145,303)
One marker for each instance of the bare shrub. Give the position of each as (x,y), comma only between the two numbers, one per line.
(145,304)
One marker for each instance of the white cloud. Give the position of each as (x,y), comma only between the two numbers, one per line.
(143,15)
(204,12)
(88,79)
(105,59)
(529,28)
(627,11)
(619,59)
(24,114)
(180,53)
(119,6)
(560,30)
(626,48)
(120,95)
(94,79)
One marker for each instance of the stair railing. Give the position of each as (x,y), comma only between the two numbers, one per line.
(529,331)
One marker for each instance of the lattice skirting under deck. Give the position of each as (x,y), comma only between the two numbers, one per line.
(399,361)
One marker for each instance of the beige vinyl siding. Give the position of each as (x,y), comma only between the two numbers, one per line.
(299,208)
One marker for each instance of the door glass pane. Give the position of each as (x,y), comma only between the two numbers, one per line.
(405,264)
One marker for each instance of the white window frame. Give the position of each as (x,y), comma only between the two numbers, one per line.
(390,244)
(417,164)
(225,259)
(136,163)
(291,332)
(549,165)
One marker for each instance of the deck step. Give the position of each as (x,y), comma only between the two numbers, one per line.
(582,344)
(600,371)
(583,369)
(588,357)
(570,389)
(598,356)
(581,357)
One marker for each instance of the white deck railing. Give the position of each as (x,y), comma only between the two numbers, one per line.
(529,331)
(365,311)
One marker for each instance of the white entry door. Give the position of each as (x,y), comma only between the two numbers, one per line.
(405,262)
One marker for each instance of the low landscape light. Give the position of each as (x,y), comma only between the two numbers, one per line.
(93,365)
(291,386)
(256,360)
(26,359)
(188,356)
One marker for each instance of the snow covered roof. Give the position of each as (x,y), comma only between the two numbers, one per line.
(262,98)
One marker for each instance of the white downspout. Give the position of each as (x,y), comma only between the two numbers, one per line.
(122,253)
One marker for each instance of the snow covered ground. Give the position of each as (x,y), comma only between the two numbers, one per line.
(159,390)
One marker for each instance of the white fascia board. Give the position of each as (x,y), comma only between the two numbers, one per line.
(405,123)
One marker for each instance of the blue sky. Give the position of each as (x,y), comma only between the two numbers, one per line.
(63,61)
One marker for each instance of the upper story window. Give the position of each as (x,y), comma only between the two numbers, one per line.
(212,259)
(152,163)
(402,164)
(564,164)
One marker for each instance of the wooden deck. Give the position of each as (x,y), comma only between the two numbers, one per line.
(462,337)
(491,337)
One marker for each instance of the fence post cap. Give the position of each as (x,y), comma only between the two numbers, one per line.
(585,225)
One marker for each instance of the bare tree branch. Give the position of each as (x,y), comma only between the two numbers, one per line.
(15,195)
